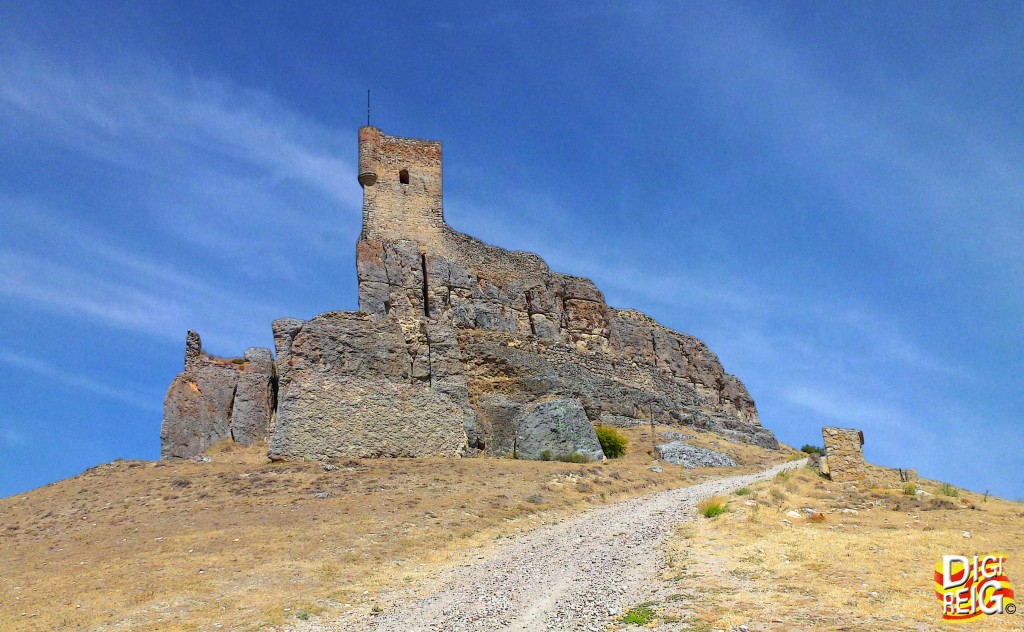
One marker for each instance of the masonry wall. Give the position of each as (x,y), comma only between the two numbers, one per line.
(845,457)
(391,208)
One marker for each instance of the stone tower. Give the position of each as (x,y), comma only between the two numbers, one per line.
(401,180)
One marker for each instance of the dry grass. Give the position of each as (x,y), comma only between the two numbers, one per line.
(863,562)
(245,543)
(712,507)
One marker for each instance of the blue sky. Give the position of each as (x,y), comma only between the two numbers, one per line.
(831,195)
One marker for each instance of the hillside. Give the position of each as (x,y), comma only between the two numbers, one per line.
(863,560)
(244,543)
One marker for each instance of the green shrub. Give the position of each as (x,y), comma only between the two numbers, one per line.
(612,442)
(812,449)
(641,615)
(910,489)
(949,490)
(535,499)
(303,615)
(743,491)
(573,457)
(565,457)
(711,507)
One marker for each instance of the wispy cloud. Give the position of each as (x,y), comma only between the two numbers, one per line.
(210,176)
(910,163)
(125,395)
(83,275)
(226,170)
(144,118)
(834,406)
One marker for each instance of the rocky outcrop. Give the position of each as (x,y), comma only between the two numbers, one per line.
(555,428)
(216,399)
(471,344)
(253,411)
(681,453)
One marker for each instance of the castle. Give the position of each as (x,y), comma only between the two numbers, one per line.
(458,348)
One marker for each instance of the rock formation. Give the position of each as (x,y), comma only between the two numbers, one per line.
(458,347)
(215,399)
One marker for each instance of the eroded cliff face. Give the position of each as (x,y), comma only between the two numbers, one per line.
(216,399)
(456,345)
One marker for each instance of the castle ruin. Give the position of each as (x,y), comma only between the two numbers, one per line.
(844,457)
(458,348)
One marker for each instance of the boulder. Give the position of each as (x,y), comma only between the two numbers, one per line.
(680,453)
(217,399)
(559,426)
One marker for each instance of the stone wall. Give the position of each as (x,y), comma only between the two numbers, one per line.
(844,454)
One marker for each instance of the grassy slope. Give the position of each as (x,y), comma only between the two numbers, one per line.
(868,568)
(246,544)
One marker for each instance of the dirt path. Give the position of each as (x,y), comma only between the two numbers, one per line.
(578,574)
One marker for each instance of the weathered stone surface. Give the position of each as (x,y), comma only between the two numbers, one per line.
(559,426)
(199,403)
(844,455)
(193,349)
(448,320)
(330,417)
(495,430)
(622,421)
(681,453)
(190,420)
(255,397)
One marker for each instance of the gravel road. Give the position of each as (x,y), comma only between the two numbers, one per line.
(578,574)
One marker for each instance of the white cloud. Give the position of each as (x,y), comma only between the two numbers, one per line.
(144,118)
(209,176)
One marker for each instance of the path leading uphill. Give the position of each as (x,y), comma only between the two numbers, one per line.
(574,575)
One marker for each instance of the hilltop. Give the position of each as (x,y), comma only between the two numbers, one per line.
(243,543)
(248,543)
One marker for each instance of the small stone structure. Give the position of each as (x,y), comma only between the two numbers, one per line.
(458,348)
(908,475)
(845,459)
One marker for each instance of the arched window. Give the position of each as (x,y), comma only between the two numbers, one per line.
(403,176)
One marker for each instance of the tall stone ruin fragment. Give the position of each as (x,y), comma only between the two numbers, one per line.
(844,457)
(215,399)
(456,346)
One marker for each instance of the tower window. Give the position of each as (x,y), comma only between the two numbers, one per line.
(403,176)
